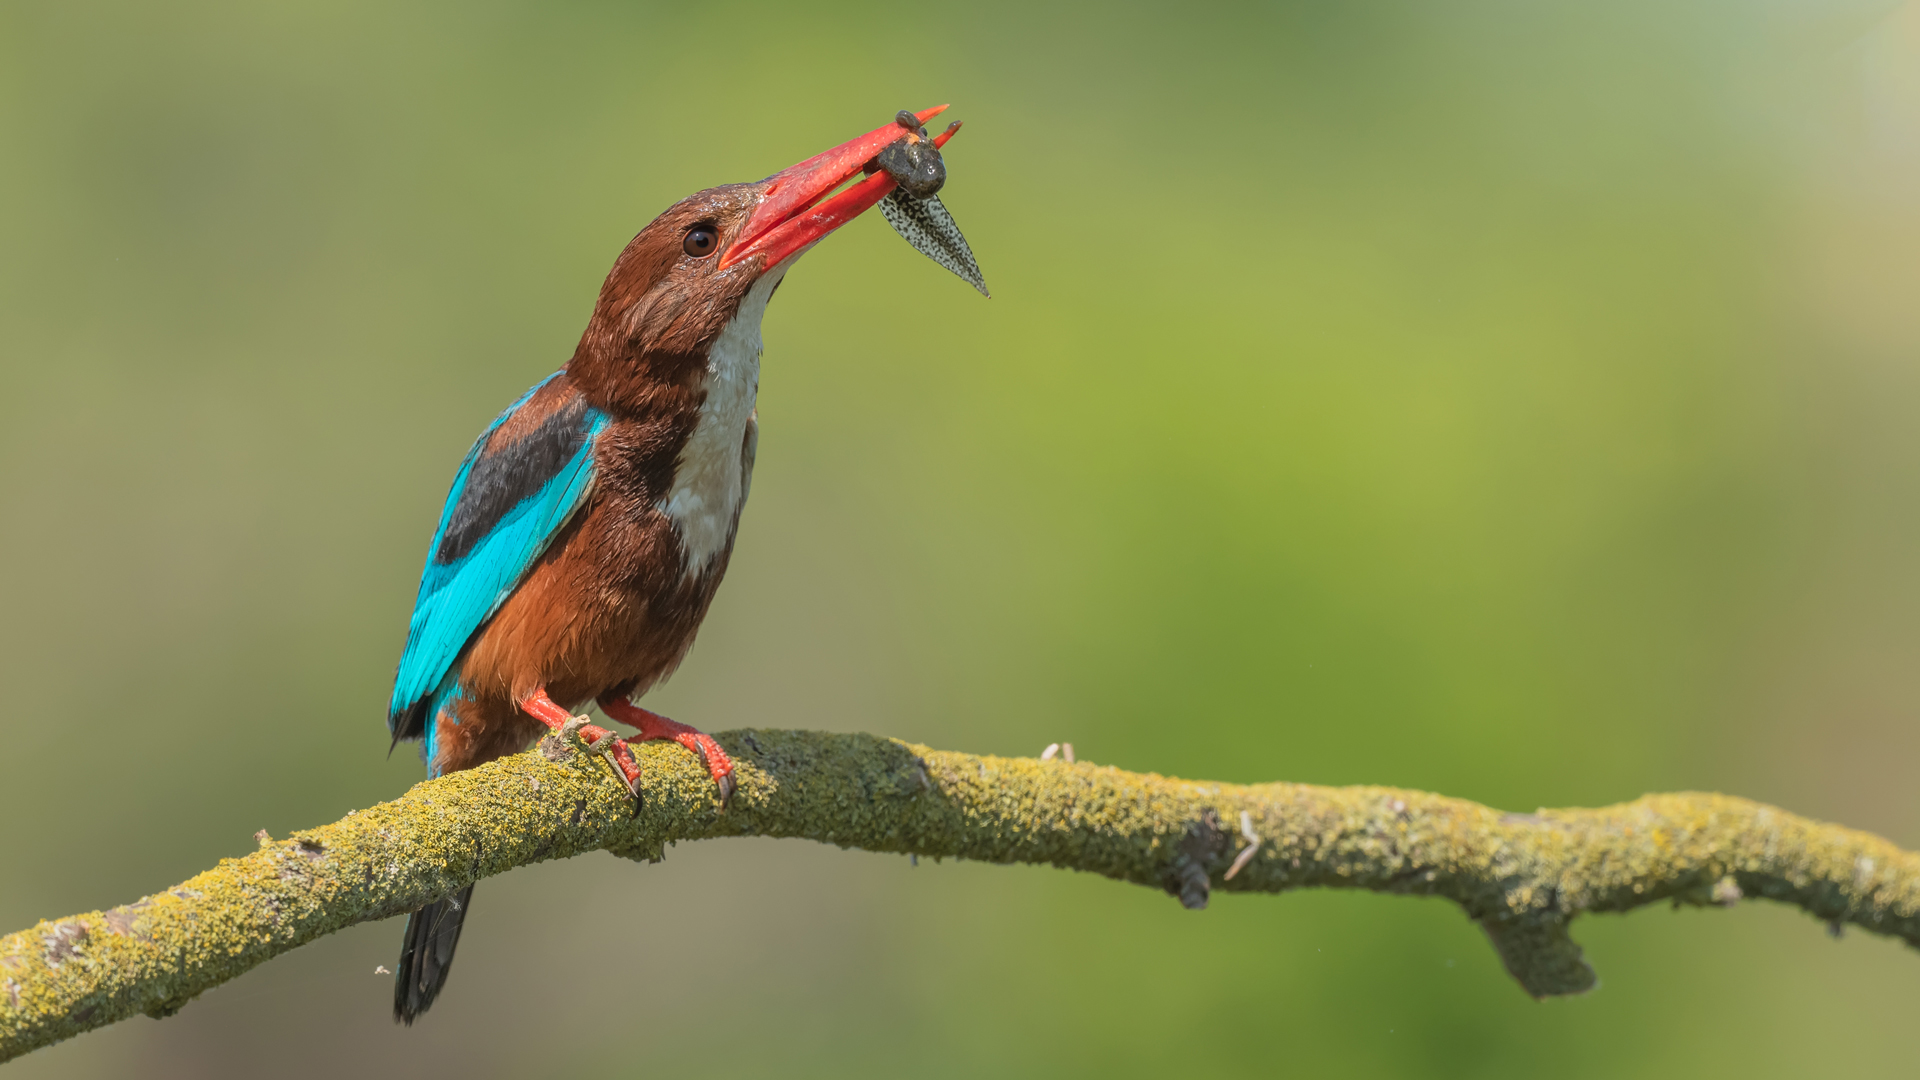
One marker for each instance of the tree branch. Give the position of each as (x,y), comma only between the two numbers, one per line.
(1522,877)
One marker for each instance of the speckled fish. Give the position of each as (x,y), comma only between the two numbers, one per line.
(914,208)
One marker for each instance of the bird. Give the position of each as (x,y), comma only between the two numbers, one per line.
(590,524)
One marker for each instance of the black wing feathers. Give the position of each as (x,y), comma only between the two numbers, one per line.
(504,476)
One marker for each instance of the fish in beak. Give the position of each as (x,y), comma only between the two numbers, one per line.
(899,167)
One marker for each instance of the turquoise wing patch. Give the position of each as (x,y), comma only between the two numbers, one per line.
(507,504)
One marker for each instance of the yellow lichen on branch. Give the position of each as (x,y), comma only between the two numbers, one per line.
(1522,877)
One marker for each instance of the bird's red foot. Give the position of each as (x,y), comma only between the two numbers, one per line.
(654,726)
(599,740)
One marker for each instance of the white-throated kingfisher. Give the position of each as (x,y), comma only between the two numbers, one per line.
(590,525)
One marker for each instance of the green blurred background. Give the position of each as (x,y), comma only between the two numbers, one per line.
(1509,399)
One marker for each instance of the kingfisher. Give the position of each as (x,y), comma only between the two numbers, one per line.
(589,526)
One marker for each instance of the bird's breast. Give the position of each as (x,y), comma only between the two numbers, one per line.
(715,466)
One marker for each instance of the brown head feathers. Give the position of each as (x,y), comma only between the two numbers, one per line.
(661,306)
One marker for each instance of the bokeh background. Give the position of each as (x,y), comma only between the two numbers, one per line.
(1510,399)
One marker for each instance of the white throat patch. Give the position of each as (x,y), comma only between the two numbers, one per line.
(710,478)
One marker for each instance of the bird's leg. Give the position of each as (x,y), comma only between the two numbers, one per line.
(654,726)
(600,741)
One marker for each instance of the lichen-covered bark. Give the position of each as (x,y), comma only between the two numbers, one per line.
(1520,876)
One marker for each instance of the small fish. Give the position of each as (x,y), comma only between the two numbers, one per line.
(914,208)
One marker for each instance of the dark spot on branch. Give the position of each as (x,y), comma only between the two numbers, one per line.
(167,1008)
(1186,875)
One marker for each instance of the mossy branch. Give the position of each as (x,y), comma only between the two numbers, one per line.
(1522,877)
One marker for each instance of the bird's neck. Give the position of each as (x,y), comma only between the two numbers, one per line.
(637,359)
(715,464)
(682,442)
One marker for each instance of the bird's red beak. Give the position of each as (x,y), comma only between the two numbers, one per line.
(793,213)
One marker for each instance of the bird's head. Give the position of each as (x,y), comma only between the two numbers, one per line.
(716,256)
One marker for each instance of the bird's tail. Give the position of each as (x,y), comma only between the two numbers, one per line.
(427,954)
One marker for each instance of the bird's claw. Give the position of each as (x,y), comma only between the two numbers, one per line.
(604,746)
(654,726)
(570,731)
(723,780)
(620,756)
(609,746)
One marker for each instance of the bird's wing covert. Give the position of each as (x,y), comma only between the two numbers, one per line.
(518,486)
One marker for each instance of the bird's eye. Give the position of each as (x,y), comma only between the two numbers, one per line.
(701,242)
